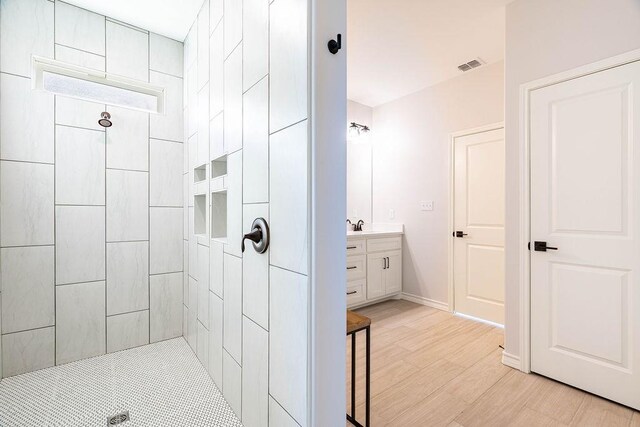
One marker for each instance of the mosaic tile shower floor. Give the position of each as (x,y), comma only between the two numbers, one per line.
(160,384)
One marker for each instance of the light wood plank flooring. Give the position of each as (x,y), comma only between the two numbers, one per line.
(430,368)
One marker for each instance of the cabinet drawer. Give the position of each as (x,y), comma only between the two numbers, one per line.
(356,247)
(356,292)
(384,244)
(356,267)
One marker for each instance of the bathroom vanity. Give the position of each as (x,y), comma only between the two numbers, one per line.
(374,264)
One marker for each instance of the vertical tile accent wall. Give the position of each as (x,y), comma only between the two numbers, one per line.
(246,156)
(91,235)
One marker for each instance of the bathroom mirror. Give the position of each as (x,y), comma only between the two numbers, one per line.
(359,157)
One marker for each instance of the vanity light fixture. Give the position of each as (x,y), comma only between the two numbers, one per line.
(356,129)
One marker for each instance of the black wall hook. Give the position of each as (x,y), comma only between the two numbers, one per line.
(334,46)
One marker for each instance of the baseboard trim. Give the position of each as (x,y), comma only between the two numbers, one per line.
(425,301)
(511,361)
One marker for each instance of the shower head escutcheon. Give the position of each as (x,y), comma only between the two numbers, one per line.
(105,121)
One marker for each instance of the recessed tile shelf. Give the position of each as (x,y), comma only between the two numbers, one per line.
(219,215)
(200,174)
(219,174)
(200,214)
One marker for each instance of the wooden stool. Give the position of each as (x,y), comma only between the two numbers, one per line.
(357,323)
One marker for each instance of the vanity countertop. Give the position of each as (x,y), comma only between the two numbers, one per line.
(377,230)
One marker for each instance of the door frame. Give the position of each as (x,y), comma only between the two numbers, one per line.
(523,363)
(451,208)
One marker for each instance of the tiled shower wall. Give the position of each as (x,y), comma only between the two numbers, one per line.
(91,220)
(246,123)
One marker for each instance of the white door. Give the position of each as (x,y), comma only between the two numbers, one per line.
(585,296)
(478,248)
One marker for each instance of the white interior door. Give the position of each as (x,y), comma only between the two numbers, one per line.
(478,263)
(585,298)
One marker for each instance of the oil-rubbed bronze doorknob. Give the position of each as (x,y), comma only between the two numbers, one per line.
(259,235)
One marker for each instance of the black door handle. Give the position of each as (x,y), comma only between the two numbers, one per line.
(352,292)
(459,234)
(352,268)
(259,235)
(542,247)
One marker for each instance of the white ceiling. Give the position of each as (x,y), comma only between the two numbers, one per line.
(397,47)
(171,18)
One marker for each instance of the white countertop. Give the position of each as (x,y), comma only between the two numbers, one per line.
(376,230)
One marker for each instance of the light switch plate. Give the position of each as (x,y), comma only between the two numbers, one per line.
(426,205)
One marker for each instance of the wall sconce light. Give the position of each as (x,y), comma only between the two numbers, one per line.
(355,130)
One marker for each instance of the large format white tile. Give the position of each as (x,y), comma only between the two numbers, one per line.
(127,277)
(80,244)
(128,139)
(234,204)
(191,46)
(78,113)
(193,159)
(192,100)
(80,57)
(169,125)
(26,211)
(127,330)
(288,341)
(233,101)
(80,156)
(80,321)
(185,272)
(255,41)
(79,28)
(203,125)
(165,240)
(255,271)
(127,52)
(26,28)
(27,288)
(232,383)
(255,153)
(232,25)
(127,205)
(216,69)
(166,306)
(202,350)
(192,315)
(216,136)
(278,416)
(215,13)
(166,178)
(216,264)
(288,197)
(165,55)
(216,323)
(27,351)
(26,129)
(233,306)
(203,284)
(255,375)
(288,63)
(203,45)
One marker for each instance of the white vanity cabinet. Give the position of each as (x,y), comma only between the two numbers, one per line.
(374,268)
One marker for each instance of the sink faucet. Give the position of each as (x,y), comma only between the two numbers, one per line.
(350,223)
(358,226)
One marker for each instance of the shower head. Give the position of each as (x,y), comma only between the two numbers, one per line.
(104,121)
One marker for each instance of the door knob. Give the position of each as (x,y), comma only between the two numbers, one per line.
(460,234)
(259,235)
(542,247)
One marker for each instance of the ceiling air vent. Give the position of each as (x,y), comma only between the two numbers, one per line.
(470,65)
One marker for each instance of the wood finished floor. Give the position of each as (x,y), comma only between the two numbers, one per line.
(430,368)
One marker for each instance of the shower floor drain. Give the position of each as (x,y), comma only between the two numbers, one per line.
(118,419)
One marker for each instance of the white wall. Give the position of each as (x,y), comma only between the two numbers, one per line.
(246,315)
(545,37)
(359,164)
(91,239)
(411,143)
